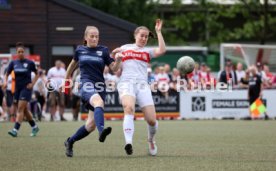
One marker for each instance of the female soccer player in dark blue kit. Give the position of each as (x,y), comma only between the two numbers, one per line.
(23,88)
(91,58)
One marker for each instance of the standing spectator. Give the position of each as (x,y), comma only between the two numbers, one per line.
(1,98)
(261,72)
(55,76)
(175,77)
(76,94)
(269,76)
(167,69)
(9,96)
(40,90)
(240,72)
(156,72)
(228,76)
(163,80)
(151,78)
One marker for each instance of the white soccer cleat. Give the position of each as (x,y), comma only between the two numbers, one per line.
(152,148)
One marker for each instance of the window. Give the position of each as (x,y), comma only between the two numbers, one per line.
(27,50)
(63,50)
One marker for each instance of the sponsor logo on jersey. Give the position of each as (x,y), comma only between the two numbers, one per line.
(83,52)
(141,56)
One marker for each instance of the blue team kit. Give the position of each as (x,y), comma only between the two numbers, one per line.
(91,63)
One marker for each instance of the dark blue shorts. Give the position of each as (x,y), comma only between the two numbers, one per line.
(22,94)
(9,98)
(86,95)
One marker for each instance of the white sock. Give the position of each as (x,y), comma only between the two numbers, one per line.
(15,130)
(34,126)
(152,131)
(128,126)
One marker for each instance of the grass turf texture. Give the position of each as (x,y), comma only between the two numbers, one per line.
(182,145)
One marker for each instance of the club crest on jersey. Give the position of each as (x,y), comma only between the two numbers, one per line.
(100,53)
(25,65)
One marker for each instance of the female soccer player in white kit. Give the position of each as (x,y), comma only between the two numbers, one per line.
(133,84)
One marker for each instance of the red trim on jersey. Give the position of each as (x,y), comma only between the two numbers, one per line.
(141,56)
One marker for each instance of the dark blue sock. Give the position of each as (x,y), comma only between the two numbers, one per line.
(32,123)
(80,134)
(99,118)
(16,125)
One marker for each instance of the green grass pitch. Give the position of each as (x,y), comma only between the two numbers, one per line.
(182,145)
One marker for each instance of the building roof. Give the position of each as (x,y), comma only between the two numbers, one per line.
(97,14)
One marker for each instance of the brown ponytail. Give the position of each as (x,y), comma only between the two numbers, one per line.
(84,42)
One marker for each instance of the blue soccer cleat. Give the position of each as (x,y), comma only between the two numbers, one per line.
(34,132)
(13,133)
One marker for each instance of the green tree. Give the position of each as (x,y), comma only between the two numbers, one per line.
(140,12)
(214,23)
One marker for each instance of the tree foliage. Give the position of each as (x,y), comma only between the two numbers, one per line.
(207,22)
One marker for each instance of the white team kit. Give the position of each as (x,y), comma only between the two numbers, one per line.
(56,75)
(133,80)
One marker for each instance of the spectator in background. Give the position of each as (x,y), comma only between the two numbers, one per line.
(9,96)
(156,72)
(167,69)
(175,77)
(274,82)
(163,80)
(239,72)
(261,72)
(40,90)
(269,76)
(76,94)
(150,76)
(55,76)
(1,98)
(194,77)
(228,75)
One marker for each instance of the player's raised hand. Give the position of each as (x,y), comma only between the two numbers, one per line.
(158,25)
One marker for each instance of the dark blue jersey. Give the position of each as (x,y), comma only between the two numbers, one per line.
(22,69)
(92,62)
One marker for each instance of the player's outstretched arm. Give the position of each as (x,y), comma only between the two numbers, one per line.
(73,64)
(114,66)
(161,43)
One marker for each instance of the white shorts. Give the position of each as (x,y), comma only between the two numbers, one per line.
(141,91)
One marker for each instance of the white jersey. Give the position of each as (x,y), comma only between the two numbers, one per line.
(9,82)
(135,62)
(56,76)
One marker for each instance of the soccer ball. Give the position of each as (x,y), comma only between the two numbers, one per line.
(185,65)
